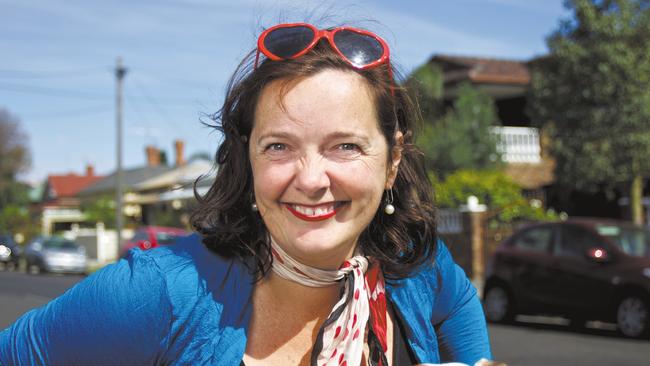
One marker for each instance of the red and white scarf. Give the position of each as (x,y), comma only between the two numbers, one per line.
(340,341)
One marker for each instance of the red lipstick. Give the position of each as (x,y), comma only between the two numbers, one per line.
(310,218)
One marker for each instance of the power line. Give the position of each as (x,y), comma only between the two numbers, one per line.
(64,93)
(134,107)
(81,112)
(156,105)
(47,74)
(51,92)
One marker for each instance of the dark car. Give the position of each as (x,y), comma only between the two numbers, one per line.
(581,269)
(9,251)
(149,237)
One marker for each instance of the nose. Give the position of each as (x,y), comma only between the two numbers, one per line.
(311,176)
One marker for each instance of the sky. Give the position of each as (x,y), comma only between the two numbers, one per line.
(57,61)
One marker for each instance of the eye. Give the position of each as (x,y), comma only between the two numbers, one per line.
(276,147)
(349,147)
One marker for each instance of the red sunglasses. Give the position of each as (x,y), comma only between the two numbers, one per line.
(360,48)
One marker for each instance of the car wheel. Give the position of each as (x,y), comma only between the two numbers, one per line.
(633,316)
(498,304)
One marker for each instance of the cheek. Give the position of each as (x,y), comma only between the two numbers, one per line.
(364,180)
(271,180)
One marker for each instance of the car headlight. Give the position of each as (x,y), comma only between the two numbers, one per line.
(5,250)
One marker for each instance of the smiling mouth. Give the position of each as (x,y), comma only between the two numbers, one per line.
(314,213)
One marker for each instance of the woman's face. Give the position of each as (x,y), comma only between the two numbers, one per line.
(320,165)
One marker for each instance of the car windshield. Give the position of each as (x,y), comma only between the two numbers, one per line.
(633,241)
(165,238)
(59,243)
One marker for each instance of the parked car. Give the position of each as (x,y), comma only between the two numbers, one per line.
(582,269)
(9,251)
(148,237)
(55,254)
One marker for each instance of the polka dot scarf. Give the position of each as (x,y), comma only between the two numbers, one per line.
(340,341)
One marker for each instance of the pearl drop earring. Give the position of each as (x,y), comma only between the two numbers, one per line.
(389,209)
(254,207)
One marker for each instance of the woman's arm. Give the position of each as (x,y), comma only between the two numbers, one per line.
(119,315)
(457,313)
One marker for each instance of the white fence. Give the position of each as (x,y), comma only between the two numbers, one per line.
(100,243)
(518,144)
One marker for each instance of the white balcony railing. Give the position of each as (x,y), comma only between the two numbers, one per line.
(518,144)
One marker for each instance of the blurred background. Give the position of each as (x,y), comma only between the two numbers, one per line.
(536,135)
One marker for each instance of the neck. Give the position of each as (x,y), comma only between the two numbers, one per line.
(287,294)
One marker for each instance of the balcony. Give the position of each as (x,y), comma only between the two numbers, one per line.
(518,144)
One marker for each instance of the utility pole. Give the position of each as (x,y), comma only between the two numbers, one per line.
(120,72)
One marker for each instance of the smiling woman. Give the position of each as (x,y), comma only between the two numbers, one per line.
(316,241)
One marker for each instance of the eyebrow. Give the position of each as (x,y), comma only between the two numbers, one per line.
(274,135)
(331,136)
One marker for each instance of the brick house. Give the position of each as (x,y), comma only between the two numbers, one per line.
(59,204)
(157,193)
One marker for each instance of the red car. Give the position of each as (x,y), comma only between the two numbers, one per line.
(148,237)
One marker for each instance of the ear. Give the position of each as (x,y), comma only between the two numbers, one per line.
(396,158)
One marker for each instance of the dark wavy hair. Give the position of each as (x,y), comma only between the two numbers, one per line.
(224,216)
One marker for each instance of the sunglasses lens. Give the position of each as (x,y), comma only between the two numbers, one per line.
(285,42)
(359,49)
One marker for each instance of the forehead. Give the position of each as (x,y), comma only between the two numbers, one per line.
(330,98)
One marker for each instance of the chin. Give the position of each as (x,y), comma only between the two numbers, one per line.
(313,247)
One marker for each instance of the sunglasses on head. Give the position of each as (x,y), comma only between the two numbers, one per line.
(360,48)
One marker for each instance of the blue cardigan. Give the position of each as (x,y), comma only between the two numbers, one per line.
(185,305)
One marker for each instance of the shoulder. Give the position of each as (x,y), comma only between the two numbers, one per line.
(439,286)
(190,270)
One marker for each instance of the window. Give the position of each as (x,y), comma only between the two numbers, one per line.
(535,239)
(140,235)
(576,241)
(166,238)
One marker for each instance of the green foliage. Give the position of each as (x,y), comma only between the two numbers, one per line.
(14,159)
(425,85)
(493,188)
(102,210)
(16,219)
(594,89)
(462,139)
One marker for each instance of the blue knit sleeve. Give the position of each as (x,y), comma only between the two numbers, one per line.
(458,314)
(442,315)
(118,316)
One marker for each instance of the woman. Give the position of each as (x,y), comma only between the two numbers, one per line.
(319,236)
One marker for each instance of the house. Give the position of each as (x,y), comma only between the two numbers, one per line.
(157,193)
(507,82)
(523,147)
(59,204)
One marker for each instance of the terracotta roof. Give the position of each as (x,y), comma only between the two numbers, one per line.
(532,176)
(483,70)
(69,185)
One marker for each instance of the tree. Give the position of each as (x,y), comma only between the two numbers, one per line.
(14,159)
(425,85)
(461,138)
(593,93)
(100,209)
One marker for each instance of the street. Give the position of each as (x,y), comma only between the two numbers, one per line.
(20,292)
(543,343)
(532,341)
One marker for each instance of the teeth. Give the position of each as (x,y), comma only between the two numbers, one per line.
(318,211)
